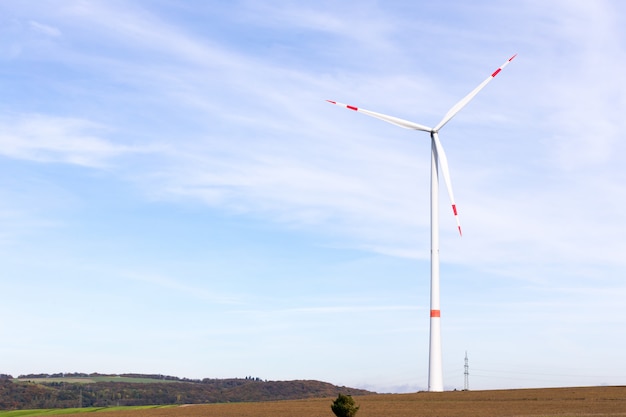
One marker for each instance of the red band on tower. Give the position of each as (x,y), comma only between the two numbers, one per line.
(435,313)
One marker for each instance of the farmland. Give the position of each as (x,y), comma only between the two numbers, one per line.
(586,401)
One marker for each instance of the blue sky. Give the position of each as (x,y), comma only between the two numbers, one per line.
(176,196)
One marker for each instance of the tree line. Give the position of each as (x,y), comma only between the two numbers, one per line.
(16,395)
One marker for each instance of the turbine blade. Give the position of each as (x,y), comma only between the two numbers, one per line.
(389,119)
(463,102)
(443,164)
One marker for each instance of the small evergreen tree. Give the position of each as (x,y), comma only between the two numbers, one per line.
(344,406)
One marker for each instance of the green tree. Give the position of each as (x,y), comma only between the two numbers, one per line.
(344,406)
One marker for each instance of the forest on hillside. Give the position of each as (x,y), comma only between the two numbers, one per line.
(16,394)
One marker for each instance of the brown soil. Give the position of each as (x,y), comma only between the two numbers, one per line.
(587,401)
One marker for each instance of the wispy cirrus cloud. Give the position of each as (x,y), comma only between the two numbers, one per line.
(43,138)
(44,29)
(177,285)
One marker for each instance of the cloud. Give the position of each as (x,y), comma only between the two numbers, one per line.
(347,309)
(44,29)
(43,138)
(178,285)
(590,121)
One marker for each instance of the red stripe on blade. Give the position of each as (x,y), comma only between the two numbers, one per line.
(496,72)
(454,209)
(330,101)
(435,313)
(353,108)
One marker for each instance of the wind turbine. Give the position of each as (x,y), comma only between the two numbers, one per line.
(438,159)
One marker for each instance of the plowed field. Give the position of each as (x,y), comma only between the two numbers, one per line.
(591,401)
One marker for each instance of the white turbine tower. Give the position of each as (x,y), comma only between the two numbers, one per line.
(438,159)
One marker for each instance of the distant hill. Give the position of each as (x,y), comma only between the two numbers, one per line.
(99,390)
